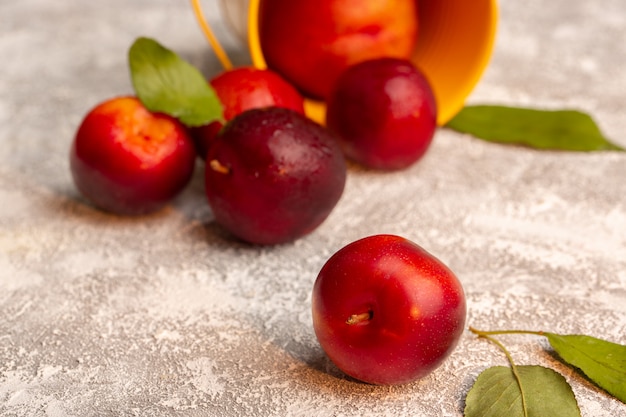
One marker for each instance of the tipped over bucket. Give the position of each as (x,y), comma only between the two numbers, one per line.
(454,46)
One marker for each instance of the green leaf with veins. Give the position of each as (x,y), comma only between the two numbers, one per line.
(166,83)
(540,392)
(567,130)
(601,361)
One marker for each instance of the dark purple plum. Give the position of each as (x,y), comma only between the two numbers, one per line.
(273,175)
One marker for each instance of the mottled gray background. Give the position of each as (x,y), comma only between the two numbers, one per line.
(165,316)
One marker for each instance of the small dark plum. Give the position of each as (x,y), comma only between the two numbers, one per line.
(273,175)
(384,113)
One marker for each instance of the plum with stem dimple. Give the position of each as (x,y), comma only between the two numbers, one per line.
(385,311)
(273,175)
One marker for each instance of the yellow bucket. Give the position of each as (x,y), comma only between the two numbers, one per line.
(455,44)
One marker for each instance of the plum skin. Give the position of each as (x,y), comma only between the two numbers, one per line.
(384,112)
(409,307)
(129,161)
(273,175)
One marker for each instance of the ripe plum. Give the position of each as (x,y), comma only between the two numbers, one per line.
(384,113)
(273,175)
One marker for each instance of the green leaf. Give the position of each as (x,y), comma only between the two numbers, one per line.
(601,361)
(496,393)
(568,130)
(166,83)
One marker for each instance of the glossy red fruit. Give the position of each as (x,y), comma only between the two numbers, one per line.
(246,88)
(385,311)
(311,42)
(127,160)
(272,175)
(384,113)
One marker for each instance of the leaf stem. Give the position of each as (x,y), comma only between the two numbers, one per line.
(488,335)
(498,332)
(208,33)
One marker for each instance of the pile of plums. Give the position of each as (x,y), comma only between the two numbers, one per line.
(384,310)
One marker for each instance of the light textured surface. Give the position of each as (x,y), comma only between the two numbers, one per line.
(165,316)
